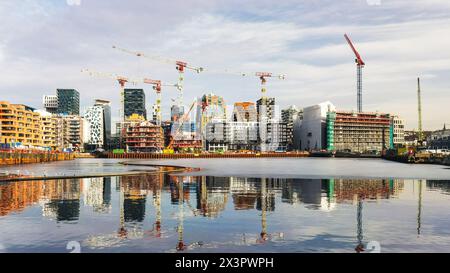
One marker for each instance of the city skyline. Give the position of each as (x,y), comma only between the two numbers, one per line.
(53,41)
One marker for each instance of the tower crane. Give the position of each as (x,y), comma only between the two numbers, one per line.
(169,148)
(122,81)
(359,66)
(157,86)
(181,67)
(263,76)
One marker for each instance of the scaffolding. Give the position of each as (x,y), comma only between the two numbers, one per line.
(144,137)
(358,132)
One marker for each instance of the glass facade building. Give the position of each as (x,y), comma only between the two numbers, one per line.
(68,102)
(134,103)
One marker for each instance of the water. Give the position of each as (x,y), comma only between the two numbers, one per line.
(236,208)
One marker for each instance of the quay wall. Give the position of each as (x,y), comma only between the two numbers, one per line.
(185,156)
(27,157)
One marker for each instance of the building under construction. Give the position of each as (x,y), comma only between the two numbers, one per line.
(358,132)
(144,137)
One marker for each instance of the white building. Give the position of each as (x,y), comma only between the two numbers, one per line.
(399,130)
(50,103)
(310,132)
(94,132)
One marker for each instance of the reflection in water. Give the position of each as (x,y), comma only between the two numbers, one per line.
(136,197)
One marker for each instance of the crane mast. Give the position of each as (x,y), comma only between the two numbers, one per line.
(419,99)
(359,66)
(157,86)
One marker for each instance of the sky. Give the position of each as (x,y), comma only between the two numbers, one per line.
(44,45)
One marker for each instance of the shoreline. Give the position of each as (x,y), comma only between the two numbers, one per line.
(246,169)
(160,169)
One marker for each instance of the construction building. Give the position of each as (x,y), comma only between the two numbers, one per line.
(121,127)
(358,132)
(134,103)
(20,126)
(245,112)
(144,137)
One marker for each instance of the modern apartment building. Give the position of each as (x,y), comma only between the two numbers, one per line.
(48,127)
(246,136)
(398,130)
(20,125)
(69,132)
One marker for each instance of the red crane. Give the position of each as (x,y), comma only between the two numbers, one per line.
(157,86)
(359,66)
(122,82)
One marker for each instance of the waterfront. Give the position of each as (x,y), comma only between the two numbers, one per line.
(217,210)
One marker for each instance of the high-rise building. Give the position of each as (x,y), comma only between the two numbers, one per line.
(176,113)
(266,109)
(134,103)
(244,112)
(210,108)
(95,136)
(106,120)
(51,104)
(20,125)
(289,116)
(68,102)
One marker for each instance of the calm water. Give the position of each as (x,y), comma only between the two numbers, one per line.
(202,212)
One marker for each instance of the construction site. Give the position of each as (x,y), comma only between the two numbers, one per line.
(358,132)
(204,128)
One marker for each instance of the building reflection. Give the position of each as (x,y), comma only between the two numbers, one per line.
(441,185)
(134,197)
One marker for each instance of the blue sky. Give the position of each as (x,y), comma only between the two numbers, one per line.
(45,44)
